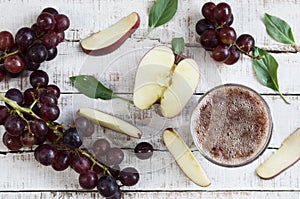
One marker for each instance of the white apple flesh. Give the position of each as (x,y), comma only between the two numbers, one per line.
(110,122)
(283,158)
(158,79)
(185,158)
(111,38)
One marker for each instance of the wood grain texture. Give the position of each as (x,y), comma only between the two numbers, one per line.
(22,177)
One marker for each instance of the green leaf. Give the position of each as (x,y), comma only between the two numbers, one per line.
(278,29)
(178,45)
(91,87)
(161,12)
(266,70)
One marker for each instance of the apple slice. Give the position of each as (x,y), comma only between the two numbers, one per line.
(108,40)
(185,158)
(284,157)
(158,79)
(110,122)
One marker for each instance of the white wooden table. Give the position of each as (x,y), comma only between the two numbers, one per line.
(22,177)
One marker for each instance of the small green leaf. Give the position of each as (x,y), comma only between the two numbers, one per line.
(278,29)
(266,70)
(161,12)
(178,45)
(91,87)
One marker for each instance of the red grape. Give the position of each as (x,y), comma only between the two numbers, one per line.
(222,12)
(62,22)
(234,55)
(245,42)
(209,39)
(208,11)
(14,64)
(220,53)
(88,180)
(227,35)
(129,176)
(143,150)
(46,21)
(6,40)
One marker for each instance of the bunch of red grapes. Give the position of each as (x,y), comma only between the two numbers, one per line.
(29,120)
(217,35)
(29,117)
(32,46)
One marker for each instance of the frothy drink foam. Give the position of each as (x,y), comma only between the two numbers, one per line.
(232,125)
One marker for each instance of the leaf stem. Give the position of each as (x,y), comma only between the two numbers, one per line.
(284,99)
(296,47)
(122,98)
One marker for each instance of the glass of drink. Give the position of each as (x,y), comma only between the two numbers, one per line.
(231,125)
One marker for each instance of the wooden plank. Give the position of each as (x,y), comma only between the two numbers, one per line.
(154,195)
(22,172)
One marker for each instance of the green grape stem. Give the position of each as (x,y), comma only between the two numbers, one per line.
(247,53)
(9,54)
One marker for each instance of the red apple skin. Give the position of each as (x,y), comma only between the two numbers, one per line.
(114,46)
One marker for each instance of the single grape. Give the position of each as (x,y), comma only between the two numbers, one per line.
(227,35)
(62,22)
(84,126)
(46,21)
(52,52)
(143,150)
(114,156)
(220,53)
(37,53)
(208,11)
(234,55)
(37,30)
(45,154)
(245,42)
(6,40)
(30,65)
(71,138)
(38,127)
(50,10)
(14,125)
(54,89)
(4,113)
(15,95)
(48,97)
(107,186)
(49,112)
(203,25)
(27,139)
(13,143)
(24,37)
(40,139)
(30,94)
(14,64)
(61,36)
(80,163)
(61,161)
(101,146)
(50,40)
(222,12)
(209,39)
(88,180)
(39,79)
(129,176)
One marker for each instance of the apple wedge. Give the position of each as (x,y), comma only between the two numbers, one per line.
(108,40)
(284,157)
(159,79)
(110,122)
(185,158)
